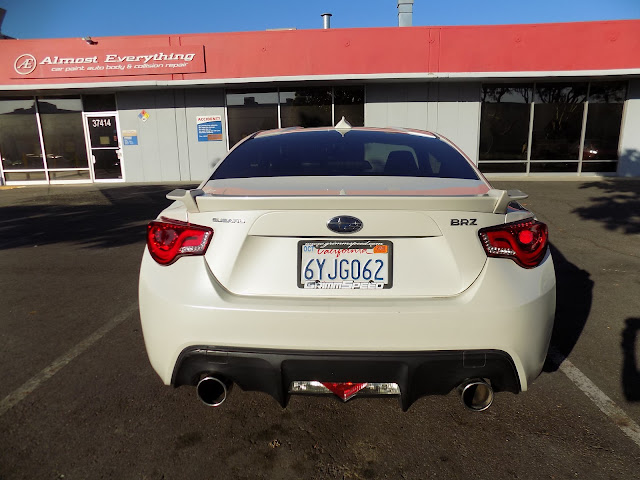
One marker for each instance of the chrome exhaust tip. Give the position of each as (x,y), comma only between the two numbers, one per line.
(476,394)
(213,391)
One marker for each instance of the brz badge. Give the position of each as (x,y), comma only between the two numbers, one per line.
(456,222)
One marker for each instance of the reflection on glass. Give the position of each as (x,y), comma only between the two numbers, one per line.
(306,107)
(507,93)
(59,105)
(504,122)
(107,164)
(559,167)
(99,103)
(604,118)
(607,92)
(19,139)
(349,103)
(249,111)
(557,121)
(503,167)
(63,133)
(589,166)
(24,176)
(69,175)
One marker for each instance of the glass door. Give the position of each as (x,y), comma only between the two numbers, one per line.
(103,135)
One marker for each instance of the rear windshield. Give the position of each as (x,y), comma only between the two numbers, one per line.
(357,152)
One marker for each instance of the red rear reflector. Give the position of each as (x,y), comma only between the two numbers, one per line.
(168,241)
(525,242)
(344,390)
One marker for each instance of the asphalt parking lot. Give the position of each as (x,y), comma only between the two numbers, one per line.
(79,400)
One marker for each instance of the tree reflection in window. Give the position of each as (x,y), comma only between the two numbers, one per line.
(349,103)
(306,107)
(19,138)
(557,122)
(604,118)
(504,124)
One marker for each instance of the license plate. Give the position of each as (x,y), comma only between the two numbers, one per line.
(345,264)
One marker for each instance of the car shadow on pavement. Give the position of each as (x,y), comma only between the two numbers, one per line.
(93,217)
(574,296)
(618,206)
(630,371)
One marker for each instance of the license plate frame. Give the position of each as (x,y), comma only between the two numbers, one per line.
(384,253)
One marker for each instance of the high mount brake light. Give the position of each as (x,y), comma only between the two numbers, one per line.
(524,242)
(168,241)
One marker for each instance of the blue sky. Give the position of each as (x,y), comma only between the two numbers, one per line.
(78,18)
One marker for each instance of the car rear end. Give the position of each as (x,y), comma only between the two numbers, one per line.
(308,264)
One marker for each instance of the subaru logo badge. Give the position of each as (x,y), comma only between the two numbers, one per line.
(344,224)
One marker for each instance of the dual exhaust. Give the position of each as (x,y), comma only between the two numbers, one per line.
(476,394)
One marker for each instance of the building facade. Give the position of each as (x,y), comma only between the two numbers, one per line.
(522,100)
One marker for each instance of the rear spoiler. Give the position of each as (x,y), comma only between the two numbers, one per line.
(494,201)
(188,197)
(504,198)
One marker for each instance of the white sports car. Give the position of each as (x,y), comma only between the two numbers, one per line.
(350,261)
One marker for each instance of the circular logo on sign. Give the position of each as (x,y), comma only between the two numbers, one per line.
(25,64)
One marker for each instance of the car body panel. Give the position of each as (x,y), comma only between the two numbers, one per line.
(260,259)
(495,312)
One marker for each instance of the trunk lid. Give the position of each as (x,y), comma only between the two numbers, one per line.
(425,231)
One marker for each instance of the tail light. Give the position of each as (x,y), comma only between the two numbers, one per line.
(524,242)
(168,241)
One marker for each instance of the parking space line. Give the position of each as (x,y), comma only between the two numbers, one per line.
(34,382)
(597,396)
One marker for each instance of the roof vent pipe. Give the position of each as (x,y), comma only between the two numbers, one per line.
(326,21)
(405,13)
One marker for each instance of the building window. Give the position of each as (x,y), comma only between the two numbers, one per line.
(562,127)
(557,125)
(349,103)
(504,124)
(63,134)
(99,103)
(306,107)
(602,136)
(20,140)
(249,111)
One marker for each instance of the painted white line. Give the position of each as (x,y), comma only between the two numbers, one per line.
(34,382)
(597,396)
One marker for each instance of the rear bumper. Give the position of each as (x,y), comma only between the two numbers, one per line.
(416,373)
(507,309)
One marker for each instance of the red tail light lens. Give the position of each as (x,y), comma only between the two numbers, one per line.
(168,241)
(525,242)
